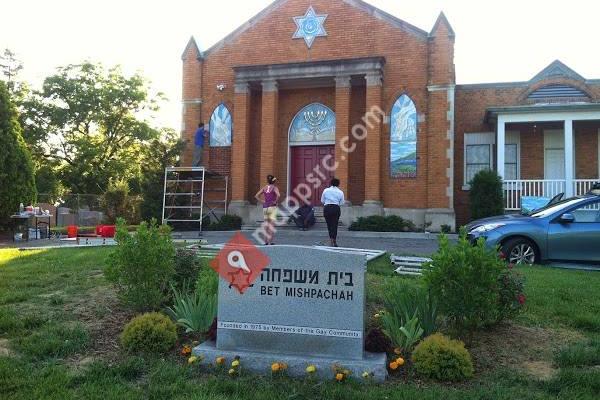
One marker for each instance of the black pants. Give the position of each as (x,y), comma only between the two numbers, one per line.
(332,213)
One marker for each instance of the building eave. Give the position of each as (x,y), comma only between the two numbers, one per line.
(492,113)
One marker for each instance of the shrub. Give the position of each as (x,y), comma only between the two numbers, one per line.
(403,302)
(446,229)
(443,359)
(17,182)
(226,223)
(118,203)
(149,333)
(486,198)
(404,334)
(208,281)
(187,267)
(142,265)
(193,311)
(512,297)
(466,277)
(377,223)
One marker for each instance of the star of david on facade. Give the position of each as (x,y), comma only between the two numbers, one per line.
(310,26)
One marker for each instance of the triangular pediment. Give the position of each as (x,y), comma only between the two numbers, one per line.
(557,69)
(361,5)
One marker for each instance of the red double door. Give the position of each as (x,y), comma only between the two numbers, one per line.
(311,165)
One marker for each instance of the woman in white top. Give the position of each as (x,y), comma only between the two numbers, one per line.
(332,198)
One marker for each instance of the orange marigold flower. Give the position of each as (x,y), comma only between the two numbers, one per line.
(275,367)
(339,377)
(400,361)
(186,350)
(220,360)
(394,365)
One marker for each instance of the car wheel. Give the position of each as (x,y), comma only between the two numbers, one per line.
(520,251)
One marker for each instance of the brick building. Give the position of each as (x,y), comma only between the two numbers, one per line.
(309,84)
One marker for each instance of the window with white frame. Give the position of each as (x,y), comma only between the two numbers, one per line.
(478,151)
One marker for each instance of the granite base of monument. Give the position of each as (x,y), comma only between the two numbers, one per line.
(306,308)
(260,363)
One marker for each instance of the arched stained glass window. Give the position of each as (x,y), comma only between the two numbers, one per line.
(220,127)
(403,139)
(313,123)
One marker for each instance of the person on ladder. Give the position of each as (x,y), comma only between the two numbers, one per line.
(201,134)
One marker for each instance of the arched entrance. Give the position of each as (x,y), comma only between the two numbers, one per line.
(311,141)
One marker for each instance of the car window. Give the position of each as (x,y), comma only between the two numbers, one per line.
(549,210)
(587,213)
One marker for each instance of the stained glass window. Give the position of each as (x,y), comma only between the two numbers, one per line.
(403,139)
(313,123)
(220,127)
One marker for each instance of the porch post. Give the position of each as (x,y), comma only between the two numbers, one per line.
(501,140)
(569,159)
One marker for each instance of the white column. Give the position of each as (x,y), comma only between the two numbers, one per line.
(569,159)
(500,141)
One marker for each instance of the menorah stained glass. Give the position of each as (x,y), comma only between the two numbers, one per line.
(313,123)
(403,139)
(220,127)
(310,26)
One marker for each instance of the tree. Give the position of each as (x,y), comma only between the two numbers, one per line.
(17,183)
(161,153)
(486,196)
(10,67)
(89,120)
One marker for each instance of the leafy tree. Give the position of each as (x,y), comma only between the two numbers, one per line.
(486,197)
(160,153)
(10,67)
(89,120)
(17,183)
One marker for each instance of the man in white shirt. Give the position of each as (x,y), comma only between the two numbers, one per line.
(332,198)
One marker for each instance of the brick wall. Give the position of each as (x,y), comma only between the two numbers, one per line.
(352,33)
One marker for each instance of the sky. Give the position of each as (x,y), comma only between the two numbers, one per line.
(500,40)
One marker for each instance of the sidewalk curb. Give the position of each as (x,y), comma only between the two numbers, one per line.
(348,234)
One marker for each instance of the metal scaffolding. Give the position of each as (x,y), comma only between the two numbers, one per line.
(193,194)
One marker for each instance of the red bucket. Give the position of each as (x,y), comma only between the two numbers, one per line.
(72,231)
(108,231)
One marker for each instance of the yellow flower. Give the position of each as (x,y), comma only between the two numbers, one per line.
(235,363)
(275,367)
(366,374)
(394,365)
(311,369)
(231,371)
(400,361)
(339,377)
(220,360)
(192,359)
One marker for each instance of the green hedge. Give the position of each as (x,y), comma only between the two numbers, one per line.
(376,223)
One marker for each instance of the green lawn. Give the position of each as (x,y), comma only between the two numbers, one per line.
(59,320)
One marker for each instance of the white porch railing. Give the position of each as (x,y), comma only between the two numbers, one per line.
(583,186)
(515,189)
